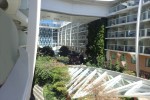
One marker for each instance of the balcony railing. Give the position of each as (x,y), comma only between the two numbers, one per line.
(129,33)
(144,32)
(123,19)
(144,49)
(124,5)
(129,18)
(111,46)
(126,48)
(129,48)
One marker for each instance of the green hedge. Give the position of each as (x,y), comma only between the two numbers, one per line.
(53,76)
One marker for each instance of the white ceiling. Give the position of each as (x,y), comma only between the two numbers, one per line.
(66,17)
(101,2)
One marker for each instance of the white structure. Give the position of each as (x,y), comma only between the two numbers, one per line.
(17,57)
(128,35)
(84,78)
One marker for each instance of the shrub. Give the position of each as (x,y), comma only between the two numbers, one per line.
(63,59)
(64,51)
(53,76)
(45,51)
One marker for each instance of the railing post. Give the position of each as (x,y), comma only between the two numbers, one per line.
(145,33)
(137,37)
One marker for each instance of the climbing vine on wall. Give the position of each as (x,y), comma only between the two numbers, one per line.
(95,47)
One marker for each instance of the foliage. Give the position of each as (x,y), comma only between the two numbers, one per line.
(95,49)
(45,51)
(127,98)
(53,76)
(63,59)
(100,47)
(64,51)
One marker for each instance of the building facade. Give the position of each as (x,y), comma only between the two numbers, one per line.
(121,35)
(48,36)
(73,35)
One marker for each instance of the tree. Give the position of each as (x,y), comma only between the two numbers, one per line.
(64,51)
(45,51)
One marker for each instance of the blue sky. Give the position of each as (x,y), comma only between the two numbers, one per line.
(51,23)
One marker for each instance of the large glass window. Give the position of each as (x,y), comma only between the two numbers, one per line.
(148,62)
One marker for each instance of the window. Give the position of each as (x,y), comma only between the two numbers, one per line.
(122,57)
(148,62)
(133,59)
(113,56)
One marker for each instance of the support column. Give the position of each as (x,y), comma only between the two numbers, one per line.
(52,37)
(61,37)
(58,37)
(70,34)
(32,41)
(137,36)
(65,35)
(78,37)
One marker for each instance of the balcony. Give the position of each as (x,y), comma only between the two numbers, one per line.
(120,34)
(124,5)
(132,18)
(126,48)
(130,48)
(120,48)
(145,1)
(111,46)
(123,19)
(145,15)
(144,32)
(130,33)
(144,49)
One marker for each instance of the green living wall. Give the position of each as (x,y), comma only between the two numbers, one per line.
(96,41)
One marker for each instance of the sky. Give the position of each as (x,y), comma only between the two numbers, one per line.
(52,23)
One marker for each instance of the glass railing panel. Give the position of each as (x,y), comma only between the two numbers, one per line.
(111,46)
(122,6)
(113,22)
(113,9)
(136,2)
(131,33)
(146,50)
(142,32)
(122,20)
(117,21)
(144,15)
(148,32)
(120,48)
(148,14)
(130,48)
(133,2)
(146,1)
(121,34)
(131,18)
